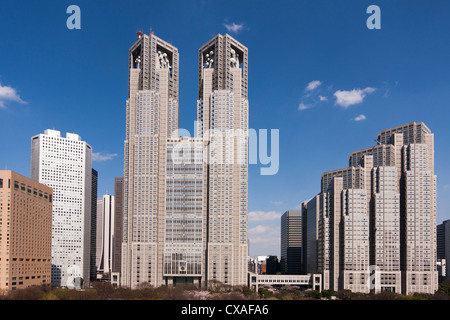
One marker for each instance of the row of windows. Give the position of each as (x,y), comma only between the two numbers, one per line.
(28,190)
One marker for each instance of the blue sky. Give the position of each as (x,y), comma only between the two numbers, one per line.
(316,73)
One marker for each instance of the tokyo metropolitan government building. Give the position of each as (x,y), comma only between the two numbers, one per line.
(185,198)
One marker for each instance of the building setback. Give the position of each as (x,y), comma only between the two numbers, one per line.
(185,206)
(26,237)
(65,165)
(379,215)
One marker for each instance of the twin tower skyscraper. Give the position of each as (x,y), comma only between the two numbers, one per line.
(185,198)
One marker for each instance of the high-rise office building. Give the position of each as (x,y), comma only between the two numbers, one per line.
(443,247)
(310,234)
(105,234)
(379,215)
(65,165)
(222,118)
(93,265)
(26,232)
(185,218)
(291,261)
(118,224)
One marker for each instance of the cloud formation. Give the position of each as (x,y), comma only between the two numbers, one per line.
(259,229)
(234,27)
(360,117)
(98,156)
(8,93)
(303,106)
(345,98)
(313,85)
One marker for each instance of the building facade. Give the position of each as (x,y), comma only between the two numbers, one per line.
(291,261)
(118,224)
(105,234)
(310,217)
(185,217)
(222,118)
(443,247)
(65,165)
(378,216)
(93,265)
(26,232)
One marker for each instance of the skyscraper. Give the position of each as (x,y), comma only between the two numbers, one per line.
(26,239)
(443,246)
(291,242)
(379,215)
(118,224)
(105,233)
(93,266)
(185,219)
(222,117)
(65,165)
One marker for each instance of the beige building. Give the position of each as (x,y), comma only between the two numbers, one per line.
(25,232)
(377,218)
(185,204)
(222,117)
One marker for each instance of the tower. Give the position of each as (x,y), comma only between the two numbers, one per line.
(151,117)
(175,200)
(222,117)
(65,165)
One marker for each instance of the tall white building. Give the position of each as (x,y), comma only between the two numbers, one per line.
(105,233)
(65,165)
(185,207)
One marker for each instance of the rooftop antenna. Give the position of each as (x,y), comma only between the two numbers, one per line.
(151,30)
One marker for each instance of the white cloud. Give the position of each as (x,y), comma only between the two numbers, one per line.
(258,230)
(360,117)
(98,156)
(346,98)
(322,98)
(303,106)
(263,215)
(313,85)
(234,27)
(8,93)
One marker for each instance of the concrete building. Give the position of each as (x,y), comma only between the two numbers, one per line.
(291,261)
(379,215)
(222,118)
(105,234)
(65,165)
(185,213)
(307,281)
(25,232)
